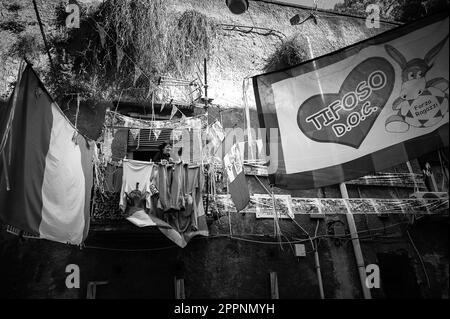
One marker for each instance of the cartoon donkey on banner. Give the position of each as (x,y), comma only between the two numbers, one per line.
(421,103)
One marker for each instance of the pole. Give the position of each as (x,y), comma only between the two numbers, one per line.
(431,175)
(206,111)
(410,169)
(356,246)
(313,245)
(444,168)
(247,115)
(43,34)
(318,272)
(206,84)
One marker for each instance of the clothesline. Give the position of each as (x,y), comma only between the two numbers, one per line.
(130,122)
(159,163)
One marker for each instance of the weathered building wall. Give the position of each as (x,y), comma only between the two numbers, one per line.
(220,266)
(235,55)
(223,267)
(238,55)
(235,261)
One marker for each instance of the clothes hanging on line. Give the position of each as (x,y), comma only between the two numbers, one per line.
(113,178)
(105,147)
(180,196)
(167,195)
(136,176)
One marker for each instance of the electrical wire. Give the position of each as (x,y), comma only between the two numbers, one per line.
(240,238)
(129,250)
(420,258)
(332,13)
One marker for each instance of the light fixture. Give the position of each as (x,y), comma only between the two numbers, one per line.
(295,20)
(237,6)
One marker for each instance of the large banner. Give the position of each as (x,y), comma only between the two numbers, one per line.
(46,166)
(358,110)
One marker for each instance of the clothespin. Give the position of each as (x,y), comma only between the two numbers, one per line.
(74,137)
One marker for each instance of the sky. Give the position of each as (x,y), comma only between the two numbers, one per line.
(322,4)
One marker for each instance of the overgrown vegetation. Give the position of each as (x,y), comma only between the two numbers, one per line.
(122,38)
(27,46)
(13,26)
(290,52)
(13,6)
(189,42)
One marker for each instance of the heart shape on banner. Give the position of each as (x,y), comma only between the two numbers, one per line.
(348,116)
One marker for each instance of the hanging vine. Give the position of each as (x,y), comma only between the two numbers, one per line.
(128,45)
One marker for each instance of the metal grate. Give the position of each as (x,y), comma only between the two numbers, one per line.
(146,140)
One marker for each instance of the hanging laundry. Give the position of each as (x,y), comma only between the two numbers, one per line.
(106,146)
(180,202)
(177,187)
(214,138)
(177,135)
(192,148)
(136,176)
(119,144)
(194,189)
(113,178)
(218,131)
(236,177)
(162,179)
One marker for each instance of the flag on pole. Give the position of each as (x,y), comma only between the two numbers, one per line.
(362,109)
(135,132)
(237,187)
(157,133)
(49,175)
(174,111)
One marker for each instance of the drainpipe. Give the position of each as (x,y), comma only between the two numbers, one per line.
(356,246)
(314,246)
(251,154)
(318,272)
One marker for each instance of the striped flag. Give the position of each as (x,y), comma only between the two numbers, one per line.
(47,165)
(362,109)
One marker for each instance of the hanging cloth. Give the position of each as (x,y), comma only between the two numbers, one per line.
(135,173)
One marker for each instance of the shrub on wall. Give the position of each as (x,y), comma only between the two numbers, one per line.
(290,52)
(122,38)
